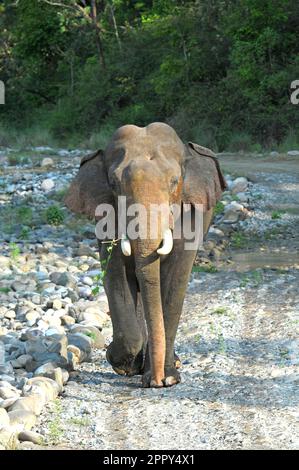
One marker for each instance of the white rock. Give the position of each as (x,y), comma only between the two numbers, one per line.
(47,185)
(243,197)
(4,418)
(233,206)
(293,153)
(47,161)
(87,281)
(239,185)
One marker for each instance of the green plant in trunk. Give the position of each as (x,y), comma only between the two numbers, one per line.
(99,278)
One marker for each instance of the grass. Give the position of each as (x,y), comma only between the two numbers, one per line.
(80,421)
(220,311)
(24,215)
(205,269)
(255,279)
(4,290)
(55,428)
(276,215)
(90,334)
(239,240)
(14,251)
(219,208)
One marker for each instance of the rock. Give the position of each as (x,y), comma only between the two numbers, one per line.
(85,250)
(47,185)
(8,438)
(7,403)
(21,361)
(67,320)
(239,185)
(233,206)
(30,436)
(274,154)
(293,153)
(47,161)
(8,392)
(230,217)
(242,197)
(5,261)
(47,349)
(31,317)
(43,386)
(10,314)
(22,419)
(63,279)
(82,342)
(209,245)
(57,304)
(32,403)
(84,292)
(53,372)
(88,281)
(98,340)
(94,318)
(4,418)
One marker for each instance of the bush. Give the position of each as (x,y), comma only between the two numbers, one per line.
(54,215)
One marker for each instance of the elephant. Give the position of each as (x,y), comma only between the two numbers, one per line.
(146,278)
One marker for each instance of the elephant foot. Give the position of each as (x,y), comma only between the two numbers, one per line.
(171,378)
(177,361)
(127,364)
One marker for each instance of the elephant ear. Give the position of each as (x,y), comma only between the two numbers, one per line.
(90,187)
(203,180)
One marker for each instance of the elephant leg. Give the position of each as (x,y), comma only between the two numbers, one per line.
(175,273)
(125,353)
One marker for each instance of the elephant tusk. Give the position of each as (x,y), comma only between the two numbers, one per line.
(167,243)
(125,246)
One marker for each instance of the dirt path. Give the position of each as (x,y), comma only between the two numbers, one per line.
(238,341)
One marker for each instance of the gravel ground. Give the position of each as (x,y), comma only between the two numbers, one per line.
(237,340)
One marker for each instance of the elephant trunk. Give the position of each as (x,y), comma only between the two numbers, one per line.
(148,275)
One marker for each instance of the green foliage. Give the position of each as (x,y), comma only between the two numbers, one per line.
(219,208)
(218,71)
(99,278)
(14,251)
(24,215)
(54,215)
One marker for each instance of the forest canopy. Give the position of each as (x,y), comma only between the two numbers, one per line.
(218,71)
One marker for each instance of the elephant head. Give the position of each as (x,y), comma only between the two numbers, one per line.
(149,165)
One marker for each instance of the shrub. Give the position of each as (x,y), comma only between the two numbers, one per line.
(54,215)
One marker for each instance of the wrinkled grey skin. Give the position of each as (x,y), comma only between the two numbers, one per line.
(146,290)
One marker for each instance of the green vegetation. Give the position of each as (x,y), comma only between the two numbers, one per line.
(4,290)
(55,426)
(24,215)
(84,421)
(14,251)
(220,311)
(99,279)
(219,208)
(90,334)
(54,215)
(276,215)
(218,71)
(205,269)
(239,240)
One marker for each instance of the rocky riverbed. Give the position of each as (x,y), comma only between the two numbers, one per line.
(238,338)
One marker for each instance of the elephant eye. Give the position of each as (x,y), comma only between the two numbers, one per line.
(174,182)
